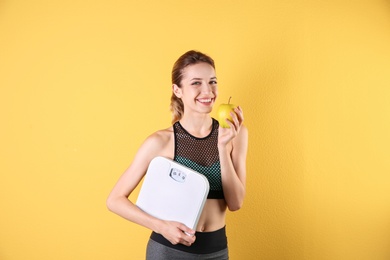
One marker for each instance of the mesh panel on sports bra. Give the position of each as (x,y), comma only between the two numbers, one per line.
(201,155)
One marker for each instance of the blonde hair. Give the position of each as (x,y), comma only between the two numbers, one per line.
(188,58)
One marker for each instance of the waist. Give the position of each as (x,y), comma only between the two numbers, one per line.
(205,242)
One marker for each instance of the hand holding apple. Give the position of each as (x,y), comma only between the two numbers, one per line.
(223,113)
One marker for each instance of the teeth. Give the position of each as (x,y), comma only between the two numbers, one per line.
(205,100)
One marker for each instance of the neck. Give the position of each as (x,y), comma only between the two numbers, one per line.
(197,126)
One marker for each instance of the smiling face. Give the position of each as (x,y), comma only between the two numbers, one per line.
(198,89)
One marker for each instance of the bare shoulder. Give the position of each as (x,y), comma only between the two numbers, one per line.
(161,137)
(160,143)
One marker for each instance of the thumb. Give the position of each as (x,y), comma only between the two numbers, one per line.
(187,230)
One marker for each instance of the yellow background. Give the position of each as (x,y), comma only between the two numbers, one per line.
(82,83)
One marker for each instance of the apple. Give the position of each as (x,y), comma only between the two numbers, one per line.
(223,113)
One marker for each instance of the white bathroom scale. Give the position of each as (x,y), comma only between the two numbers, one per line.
(171,191)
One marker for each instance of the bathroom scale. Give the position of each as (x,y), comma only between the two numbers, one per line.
(171,191)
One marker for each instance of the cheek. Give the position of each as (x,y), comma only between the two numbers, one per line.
(215,91)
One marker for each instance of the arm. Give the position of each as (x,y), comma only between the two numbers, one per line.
(232,146)
(119,203)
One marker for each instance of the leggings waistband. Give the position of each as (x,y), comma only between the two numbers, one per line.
(205,242)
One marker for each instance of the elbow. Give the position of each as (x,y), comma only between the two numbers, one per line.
(235,203)
(110,204)
(235,206)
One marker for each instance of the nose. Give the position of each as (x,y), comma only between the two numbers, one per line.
(206,88)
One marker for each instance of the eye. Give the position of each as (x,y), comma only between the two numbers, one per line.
(213,82)
(196,83)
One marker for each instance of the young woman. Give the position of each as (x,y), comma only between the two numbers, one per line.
(196,141)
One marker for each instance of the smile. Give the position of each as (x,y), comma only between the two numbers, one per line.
(205,100)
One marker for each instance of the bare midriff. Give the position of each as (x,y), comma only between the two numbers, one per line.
(213,216)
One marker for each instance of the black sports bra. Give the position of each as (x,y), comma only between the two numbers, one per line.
(201,155)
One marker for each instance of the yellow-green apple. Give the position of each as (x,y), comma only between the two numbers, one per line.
(223,113)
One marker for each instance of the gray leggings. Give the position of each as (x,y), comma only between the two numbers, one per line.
(157,251)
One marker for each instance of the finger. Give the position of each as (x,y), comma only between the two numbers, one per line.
(231,124)
(189,240)
(239,109)
(235,119)
(240,113)
(186,230)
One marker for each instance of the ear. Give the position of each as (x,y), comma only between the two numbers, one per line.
(176,90)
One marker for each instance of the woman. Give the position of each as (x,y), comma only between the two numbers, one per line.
(197,141)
